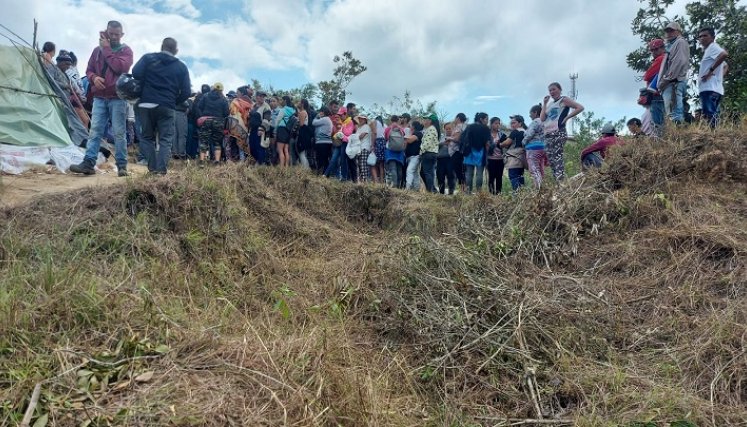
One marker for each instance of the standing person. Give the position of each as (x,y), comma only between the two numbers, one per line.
(711,82)
(363,130)
(182,130)
(283,128)
(350,126)
(444,170)
(212,112)
(259,127)
(412,156)
(495,157)
(110,59)
(166,84)
(305,139)
(535,146)
(405,123)
(515,153)
(457,157)
(336,162)
(478,138)
(672,79)
(238,121)
(556,111)
(394,154)
(347,128)
(193,143)
(429,151)
(379,148)
(66,83)
(323,135)
(656,109)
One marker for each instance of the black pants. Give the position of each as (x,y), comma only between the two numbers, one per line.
(323,153)
(444,173)
(457,165)
(495,176)
(157,121)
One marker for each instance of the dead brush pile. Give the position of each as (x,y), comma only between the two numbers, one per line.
(263,296)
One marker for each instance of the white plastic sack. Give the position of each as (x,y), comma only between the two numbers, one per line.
(64,157)
(16,160)
(354,146)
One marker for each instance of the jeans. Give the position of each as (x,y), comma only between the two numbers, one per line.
(394,173)
(516,176)
(181,128)
(412,180)
(474,174)
(674,98)
(158,120)
(192,146)
(338,166)
(657,114)
(445,173)
(710,102)
(495,175)
(428,169)
(103,111)
(591,160)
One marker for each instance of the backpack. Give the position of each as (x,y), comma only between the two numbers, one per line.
(291,123)
(396,139)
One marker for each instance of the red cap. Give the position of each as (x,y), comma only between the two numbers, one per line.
(655,44)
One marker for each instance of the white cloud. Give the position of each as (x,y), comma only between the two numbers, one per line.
(444,50)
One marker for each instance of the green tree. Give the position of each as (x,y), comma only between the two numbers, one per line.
(404,104)
(727,17)
(347,67)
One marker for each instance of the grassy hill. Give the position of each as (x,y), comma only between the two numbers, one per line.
(237,296)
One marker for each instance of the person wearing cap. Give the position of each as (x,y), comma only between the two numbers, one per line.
(672,79)
(589,156)
(363,131)
(653,118)
(515,157)
(535,146)
(711,75)
(63,80)
(212,111)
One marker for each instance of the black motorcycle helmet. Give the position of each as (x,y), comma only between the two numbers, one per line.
(128,88)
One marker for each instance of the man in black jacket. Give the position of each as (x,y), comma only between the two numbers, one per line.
(166,84)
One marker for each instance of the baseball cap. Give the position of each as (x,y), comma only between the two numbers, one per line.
(673,26)
(655,44)
(218,86)
(64,58)
(342,111)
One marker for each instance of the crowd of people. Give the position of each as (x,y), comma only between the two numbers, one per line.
(155,106)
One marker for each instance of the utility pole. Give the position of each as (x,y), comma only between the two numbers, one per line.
(574,96)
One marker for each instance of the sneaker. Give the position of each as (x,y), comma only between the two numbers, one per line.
(84,168)
(122,172)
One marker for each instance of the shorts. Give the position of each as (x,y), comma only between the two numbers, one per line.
(283,135)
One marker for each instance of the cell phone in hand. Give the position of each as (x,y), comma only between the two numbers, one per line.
(103,35)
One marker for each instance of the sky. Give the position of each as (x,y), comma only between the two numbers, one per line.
(469,55)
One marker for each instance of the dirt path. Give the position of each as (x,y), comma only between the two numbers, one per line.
(18,189)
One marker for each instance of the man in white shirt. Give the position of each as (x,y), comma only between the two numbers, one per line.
(711,75)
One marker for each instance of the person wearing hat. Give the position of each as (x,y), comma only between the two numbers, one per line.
(363,131)
(429,151)
(672,79)
(653,119)
(212,111)
(515,157)
(593,155)
(711,81)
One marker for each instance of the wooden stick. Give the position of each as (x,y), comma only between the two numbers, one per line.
(32,405)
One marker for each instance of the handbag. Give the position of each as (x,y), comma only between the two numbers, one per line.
(645,97)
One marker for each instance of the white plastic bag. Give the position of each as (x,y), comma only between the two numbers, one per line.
(66,156)
(16,160)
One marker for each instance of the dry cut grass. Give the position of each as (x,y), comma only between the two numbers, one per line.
(272,297)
